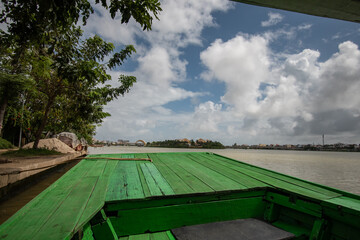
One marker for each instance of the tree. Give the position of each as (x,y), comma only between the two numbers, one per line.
(63,66)
(11,84)
(73,72)
(30,22)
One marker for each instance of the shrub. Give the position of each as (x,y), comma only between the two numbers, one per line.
(4,144)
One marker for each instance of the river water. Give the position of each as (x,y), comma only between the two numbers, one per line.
(339,170)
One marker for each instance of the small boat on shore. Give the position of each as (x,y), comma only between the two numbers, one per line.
(183,196)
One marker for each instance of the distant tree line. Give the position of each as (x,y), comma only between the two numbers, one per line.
(182,144)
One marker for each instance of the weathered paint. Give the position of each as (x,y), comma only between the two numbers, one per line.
(105,198)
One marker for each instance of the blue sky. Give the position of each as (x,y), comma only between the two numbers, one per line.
(235,73)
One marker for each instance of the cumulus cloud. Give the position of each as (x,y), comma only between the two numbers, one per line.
(143,111)
(275,96)
(274,18)
(181,22)
(206,117)
(297,96)
(242,63)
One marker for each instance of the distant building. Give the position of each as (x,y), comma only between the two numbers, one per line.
(200,140)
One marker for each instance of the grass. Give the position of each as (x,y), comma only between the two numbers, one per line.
(31,152)
(4,144)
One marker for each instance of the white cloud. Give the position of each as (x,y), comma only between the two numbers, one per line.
(181,22)
(300,91)
(160,68)
(112,30)
(242,63)
(274,18)
(206,118)
(276,96)
(305,26)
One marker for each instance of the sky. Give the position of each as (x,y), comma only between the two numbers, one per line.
(235,73)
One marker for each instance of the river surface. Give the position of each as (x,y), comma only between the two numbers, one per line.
(339,170)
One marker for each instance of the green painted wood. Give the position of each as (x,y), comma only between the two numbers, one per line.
(159,236)
(97,198)
(150,236)
(300,205)
(40,211)
(124,182)
(12,221)
(104,229)
(278,176)
(244,180)
(124,238)
(155,181)
(87,232)
(127,156)
(170,235)
(216,181)
(144,185)
(68,204)
(276,180)
(62,221)
(352,205)
(171,200)
(156,219)
(176,182)
(145,236)
(191,180)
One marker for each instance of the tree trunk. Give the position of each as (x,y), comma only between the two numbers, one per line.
(2,114)
(43,122)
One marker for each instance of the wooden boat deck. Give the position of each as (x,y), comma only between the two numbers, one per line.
(66,207)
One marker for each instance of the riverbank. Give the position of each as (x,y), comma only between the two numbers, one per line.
(16,169)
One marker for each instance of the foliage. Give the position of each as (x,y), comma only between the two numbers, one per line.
(169,144)
(46,43)
(181,144)
(4,144)
(212,145)
(31,21)
(31,152)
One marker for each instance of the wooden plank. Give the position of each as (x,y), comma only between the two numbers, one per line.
(159,236)
(353,205)
(145,236)
(97,199)
(177,183)
(124,182)
(184,199)
(157,184)
(127,156)
(34,202)
(244,180)
(291,180)
(124,238)
(62,221)
(137,221)
(87,233)
(215,180)
(38,212)
(144,185)
(191,180)
(275,180)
